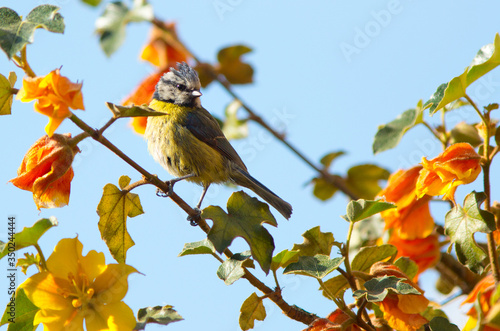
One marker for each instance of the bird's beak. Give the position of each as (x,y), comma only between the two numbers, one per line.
(196,94)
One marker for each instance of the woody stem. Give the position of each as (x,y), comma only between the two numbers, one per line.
(492,249)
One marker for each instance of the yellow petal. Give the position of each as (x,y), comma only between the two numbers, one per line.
(112,285)
(114,317)
(68,319)
(64,260)
(45,291)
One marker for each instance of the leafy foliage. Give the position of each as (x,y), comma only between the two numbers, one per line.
(15,32)
(389,135)
(244,219)
(252,309)
(113,209)
(232,269)
(7,92)
(462,222)
(316,242)
(157,315)
(29,236)
(361,209)
(378,288)
(23,313)
(317,266)
(112,23)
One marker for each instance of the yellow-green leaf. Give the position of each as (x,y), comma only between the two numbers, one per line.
(233,127)
(19,313)
(231,66)
(132,111)
(244,218)
(360,209)
(283,259)
(335,286)
(317,266)
(252,309)
(364,180)
(7,93)
(389,135)
(113,209)
(323,190)
(316,242)
(486,60)
(367,256)
(199,247)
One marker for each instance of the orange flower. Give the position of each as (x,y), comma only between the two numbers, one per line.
(402,312)
(142,95)
(337,320)
(46,171)
(458,164)
(55,94)
(159,50)
(484,290)
(424,251)
(412,218)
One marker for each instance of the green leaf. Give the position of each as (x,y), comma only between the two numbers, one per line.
(233,127)
(252,309)
(462,223)
(283,259)
(440,323)
(157,315)
(232,269)
(93,3)
(231,66)
(206,73)
(29,236)
(314,266)
(19,312)
(389,135)
(7,93)
(112,23)
(28,260)
(316,242)
(378,288)
(367,256)
(363,180)
(15,32)
(335,286)
(486,60)
(327,160)
(361,209)
(132,111)
(407,266)
(199,247)
(113,209)
(323,190)
(465,133)
(244,219)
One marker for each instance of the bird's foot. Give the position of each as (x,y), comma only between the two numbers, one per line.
(163,194)
(192,219)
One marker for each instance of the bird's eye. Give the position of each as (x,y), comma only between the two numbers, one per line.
(181,87)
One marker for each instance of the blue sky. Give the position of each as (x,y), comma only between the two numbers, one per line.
(327,73)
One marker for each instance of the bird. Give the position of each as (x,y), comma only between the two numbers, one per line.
(189,143)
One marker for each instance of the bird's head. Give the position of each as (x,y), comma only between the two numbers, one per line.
(180,87)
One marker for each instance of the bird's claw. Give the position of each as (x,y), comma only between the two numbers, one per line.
(163,194)
(192,219)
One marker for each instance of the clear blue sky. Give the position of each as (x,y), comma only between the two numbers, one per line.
(338,69)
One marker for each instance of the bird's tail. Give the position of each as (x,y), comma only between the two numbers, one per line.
(243,178)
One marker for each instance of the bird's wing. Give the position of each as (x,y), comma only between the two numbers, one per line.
(206,128)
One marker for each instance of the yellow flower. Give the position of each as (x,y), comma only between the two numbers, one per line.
(458,164)
(55,94)
(46,171)
(77,288)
